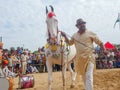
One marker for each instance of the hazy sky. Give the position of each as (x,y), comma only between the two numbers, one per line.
(22,22)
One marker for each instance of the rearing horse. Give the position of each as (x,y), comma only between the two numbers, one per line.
(57,51)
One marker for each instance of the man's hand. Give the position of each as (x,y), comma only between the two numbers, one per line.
(105,52)
(64,35)
(103,49)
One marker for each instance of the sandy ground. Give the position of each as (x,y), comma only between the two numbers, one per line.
(107,79)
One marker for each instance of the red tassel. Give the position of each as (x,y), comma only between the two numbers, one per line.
(51,14)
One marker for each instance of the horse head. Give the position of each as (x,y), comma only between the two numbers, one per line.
(52,25)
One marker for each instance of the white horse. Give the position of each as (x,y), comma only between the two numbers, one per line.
(57,51)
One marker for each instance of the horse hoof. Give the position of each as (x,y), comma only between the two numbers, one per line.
(72,86)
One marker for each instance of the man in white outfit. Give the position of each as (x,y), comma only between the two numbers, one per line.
(85,59)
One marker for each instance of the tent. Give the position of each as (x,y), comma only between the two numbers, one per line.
(108,45)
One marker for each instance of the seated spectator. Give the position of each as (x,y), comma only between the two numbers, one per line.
(117,63)
(28,70)
(6,71)
(34,69)
(1,73)
(110,64)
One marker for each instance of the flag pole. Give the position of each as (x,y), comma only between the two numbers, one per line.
(117,21)
(1,39)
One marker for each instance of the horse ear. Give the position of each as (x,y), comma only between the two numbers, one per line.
(52,9)
(46,10)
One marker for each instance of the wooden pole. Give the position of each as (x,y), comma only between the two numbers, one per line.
(1,39)
(62,63)
(1,49)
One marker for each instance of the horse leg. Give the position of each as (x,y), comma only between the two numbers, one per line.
(73,75)
(64,75)
(49,68)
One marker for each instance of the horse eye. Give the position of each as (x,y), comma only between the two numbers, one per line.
(46,22)
(55,20)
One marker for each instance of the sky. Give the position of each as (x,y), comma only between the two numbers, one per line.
(22,22)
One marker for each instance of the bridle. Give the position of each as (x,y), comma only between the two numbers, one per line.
(52,37)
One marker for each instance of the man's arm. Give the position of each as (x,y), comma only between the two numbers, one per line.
(70,42)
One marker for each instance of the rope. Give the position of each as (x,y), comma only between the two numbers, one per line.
(79,42)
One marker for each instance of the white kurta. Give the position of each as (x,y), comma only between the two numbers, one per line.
(84,53)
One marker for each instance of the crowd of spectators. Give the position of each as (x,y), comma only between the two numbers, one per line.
(111,60)
(36,60)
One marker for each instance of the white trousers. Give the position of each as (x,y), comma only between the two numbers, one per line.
(88,77)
